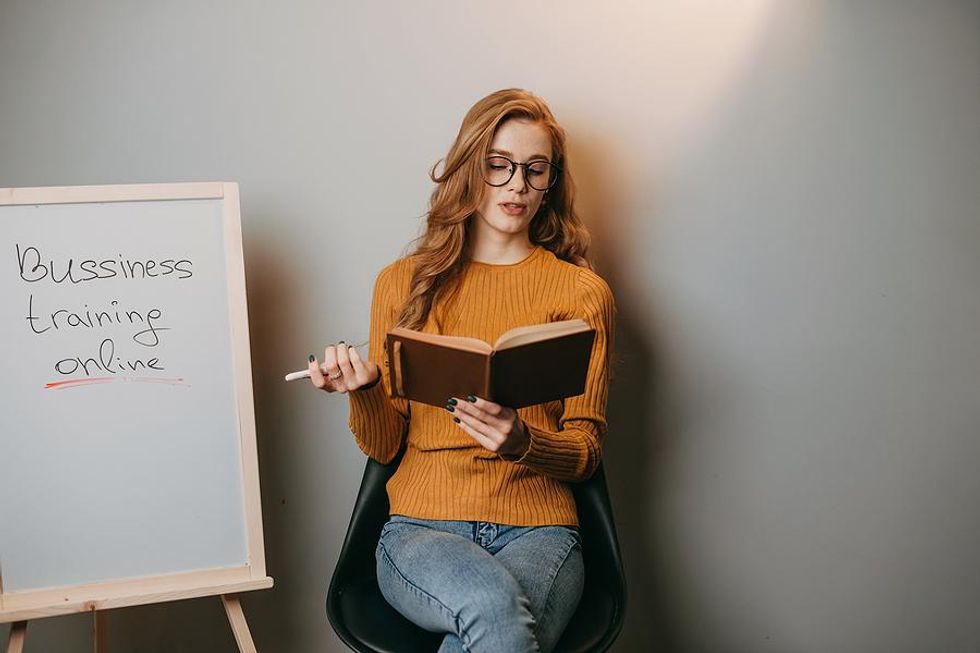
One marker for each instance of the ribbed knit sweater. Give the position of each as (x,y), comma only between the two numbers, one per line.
(445,473)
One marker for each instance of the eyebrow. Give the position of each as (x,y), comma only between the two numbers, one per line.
(506,153)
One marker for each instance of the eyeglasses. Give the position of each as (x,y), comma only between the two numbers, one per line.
(540,175)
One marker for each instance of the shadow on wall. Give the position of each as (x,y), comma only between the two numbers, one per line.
(637,411)
(272,294)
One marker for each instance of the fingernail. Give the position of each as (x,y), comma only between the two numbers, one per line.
(471,398)
(450,408)
(452,401)
(312,358)
(341,342)
(456,419)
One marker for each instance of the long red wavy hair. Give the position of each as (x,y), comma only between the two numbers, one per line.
(443,250)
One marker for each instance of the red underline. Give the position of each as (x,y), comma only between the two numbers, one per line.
(95,380)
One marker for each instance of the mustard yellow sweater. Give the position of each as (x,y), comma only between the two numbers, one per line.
(445,474)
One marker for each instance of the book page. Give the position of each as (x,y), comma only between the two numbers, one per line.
(454,342)
(536,332)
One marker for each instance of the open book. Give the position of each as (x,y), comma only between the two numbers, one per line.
(526,365)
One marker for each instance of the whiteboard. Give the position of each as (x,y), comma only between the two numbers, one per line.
(127,447)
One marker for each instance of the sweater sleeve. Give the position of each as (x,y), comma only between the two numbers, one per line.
(379,421)
(573,452)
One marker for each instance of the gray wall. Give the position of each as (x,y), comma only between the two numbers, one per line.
(783,196)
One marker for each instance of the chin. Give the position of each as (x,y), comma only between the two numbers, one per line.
(506,223)
(511,227)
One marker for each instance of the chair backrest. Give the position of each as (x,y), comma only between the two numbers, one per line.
(368,517)
(598,618)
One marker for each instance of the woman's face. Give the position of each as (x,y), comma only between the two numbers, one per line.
(508,209)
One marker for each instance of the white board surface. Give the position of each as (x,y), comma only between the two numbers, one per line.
(121,447)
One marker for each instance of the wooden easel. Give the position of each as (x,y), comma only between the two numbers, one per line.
(225,566)
(233,608)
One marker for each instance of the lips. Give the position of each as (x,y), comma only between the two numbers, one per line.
(512,208)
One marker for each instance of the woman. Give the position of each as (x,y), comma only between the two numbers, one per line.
(482,542)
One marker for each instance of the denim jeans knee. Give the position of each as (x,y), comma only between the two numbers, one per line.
(486,584)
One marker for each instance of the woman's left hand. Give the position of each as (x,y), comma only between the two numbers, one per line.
(497,428)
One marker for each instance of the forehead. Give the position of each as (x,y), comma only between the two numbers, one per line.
(523,139)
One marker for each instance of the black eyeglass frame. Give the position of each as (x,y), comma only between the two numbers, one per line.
(513,169)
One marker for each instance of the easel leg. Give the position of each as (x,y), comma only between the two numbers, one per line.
(18,631)
(233,608)
(100,622)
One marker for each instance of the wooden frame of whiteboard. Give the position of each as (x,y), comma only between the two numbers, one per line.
(33,604)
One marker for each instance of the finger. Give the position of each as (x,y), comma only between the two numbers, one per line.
(348,378)
(485,405)
(330,362)
(343,359)
(361,371)
(316,376)
(333,375)
(482,439)
(472,408)
(355,358)
(474,424)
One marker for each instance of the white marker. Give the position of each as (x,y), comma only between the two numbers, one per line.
(304,374)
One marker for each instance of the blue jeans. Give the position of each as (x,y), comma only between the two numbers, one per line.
(490,587)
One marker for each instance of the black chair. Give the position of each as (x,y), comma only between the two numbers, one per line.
(368,624)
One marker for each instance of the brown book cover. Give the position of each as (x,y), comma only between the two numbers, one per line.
(526,365)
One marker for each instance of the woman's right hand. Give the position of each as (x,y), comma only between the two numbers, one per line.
(346,370)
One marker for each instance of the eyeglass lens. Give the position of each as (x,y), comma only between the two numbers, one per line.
(540,175)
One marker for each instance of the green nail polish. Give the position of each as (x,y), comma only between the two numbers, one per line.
(450,408)
(471,398)
(452,401)
(312,358)
(456,419)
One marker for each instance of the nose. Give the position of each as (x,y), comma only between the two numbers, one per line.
(519,185)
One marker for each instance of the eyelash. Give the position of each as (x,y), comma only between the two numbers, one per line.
(533,172)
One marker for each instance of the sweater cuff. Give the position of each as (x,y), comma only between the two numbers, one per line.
(551,453)
(369,399)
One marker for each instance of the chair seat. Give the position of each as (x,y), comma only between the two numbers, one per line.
(365,621)
(590,625)
(376,624)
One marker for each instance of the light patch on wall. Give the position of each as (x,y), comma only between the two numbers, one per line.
(666,66)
